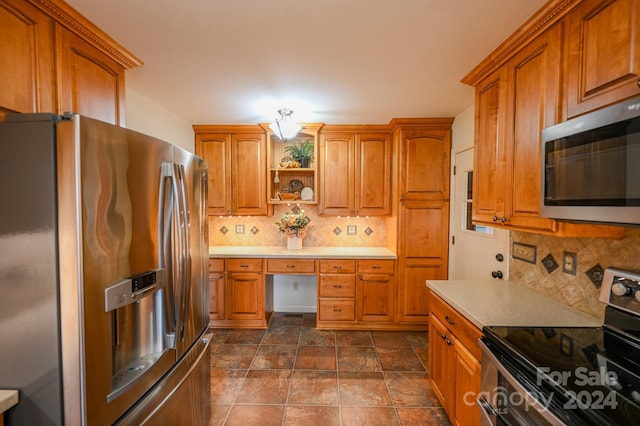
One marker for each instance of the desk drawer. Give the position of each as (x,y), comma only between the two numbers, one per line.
(291,266)
(337,266)
(244,265)
(337,310)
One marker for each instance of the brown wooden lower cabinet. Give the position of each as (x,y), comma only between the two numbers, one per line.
(351,293)
(454,365)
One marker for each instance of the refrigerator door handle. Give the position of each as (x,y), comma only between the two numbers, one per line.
(166,204)
(185,259)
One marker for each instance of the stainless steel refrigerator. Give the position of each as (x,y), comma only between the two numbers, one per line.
(104,304)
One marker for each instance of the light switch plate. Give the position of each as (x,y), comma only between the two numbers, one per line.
(352,229)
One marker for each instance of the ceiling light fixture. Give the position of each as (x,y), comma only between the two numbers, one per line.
(283,127)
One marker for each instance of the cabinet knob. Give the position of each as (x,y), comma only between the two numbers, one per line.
(449,320)
(497,274)
(499,257)
(495,218)
(444,336)
(449,343)
(504,219)
(638,83)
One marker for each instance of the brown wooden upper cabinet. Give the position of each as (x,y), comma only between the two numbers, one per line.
(603,56)
(54,60)
(237,168)
(425,154)
(522,88)
(355,172)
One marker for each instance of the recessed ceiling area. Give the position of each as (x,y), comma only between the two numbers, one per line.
(331,61)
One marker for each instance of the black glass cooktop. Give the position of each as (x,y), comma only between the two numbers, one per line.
(591,375)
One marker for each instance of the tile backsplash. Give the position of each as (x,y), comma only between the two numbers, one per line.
(323,231)
(575,283)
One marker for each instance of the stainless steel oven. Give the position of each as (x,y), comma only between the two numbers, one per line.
(567,375)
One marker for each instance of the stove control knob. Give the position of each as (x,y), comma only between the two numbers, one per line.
(620,289)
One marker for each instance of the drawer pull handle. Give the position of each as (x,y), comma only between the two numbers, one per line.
(337,310)
(376,266)
(244,265)
(444,337)
(449,320)
(337,286)
(449,343)
(337,266)
(291,266)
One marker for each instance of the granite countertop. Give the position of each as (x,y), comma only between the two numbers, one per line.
(8,398)
(304,253)
(506,303)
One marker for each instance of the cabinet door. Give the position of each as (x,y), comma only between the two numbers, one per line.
(489,148)
(467,387)
(424,169)
(441,363)
(216,150)
(26,59)
(534,93)
(216,295)
(375,297)
(604,54)
(248,174)
(373,174)
(89,82)
(423,253)
(245,296)
(337,174)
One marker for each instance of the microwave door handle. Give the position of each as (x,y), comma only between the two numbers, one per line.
(166,248)
(185,258)
(531,400)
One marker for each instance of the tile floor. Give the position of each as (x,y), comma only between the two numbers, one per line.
(293,374)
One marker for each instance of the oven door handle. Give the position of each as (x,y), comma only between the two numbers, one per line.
(530,398)
(489,415)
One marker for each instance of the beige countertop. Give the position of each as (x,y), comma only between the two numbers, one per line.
(304,253)
(8,398)
(506,303)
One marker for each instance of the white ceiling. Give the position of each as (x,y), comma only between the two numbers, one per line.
(331,61)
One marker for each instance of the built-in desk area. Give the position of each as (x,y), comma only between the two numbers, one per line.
(355,285)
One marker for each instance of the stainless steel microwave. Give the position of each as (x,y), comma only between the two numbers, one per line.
(591,166)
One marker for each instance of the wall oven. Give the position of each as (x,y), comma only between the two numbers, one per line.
(567,375)
(590,166)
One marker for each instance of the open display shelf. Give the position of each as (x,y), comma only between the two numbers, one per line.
(287,182)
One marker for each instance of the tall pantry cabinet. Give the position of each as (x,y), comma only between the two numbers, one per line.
(419,224)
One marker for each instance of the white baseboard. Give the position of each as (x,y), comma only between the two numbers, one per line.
(302,309)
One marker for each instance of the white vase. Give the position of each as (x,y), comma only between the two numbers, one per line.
(294,243)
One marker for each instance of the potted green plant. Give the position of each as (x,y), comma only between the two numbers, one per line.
(300,152)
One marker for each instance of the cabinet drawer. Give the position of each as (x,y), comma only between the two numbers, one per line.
(337,286)
(216,265)
(464,331)
(335,266)
(375,266)
(291,266)
(244,265)
(337,310)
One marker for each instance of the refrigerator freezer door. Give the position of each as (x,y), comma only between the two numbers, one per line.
(109,185)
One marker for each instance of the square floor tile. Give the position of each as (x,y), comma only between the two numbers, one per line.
(263,415)
(389,338)
(245,337)
(363,389)
(274,357)
(310,387)
(316,358)
(393,358)
(288,335)
(370,416)
(265,387)
(313,337)
(304,415)
(410,389)
(353,338)
(225,385)
(358,358)
(233,356)
(423,416)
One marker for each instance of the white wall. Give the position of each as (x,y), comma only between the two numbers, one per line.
(294,293)
(145,116)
